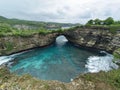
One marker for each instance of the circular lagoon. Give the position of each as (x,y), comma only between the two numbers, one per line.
(61,61)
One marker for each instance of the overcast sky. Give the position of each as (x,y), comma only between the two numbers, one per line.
(71,11)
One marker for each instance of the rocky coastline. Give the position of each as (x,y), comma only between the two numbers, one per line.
(13,44)
(97,38)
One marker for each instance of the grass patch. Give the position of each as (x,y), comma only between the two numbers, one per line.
(4,74)
(7,30)
(46,86)
(111,77)
(114,28)
(24,33)
(24,82)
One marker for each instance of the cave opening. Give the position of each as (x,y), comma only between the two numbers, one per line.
(61,40)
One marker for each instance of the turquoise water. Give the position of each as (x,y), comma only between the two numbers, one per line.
(61,61)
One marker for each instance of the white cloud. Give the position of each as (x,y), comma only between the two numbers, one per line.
(73,11)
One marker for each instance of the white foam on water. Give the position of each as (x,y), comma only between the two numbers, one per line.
(100,63)
(5,59)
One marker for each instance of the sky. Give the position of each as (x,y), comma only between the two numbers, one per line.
(67,11)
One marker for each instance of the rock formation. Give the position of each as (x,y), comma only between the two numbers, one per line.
(13,44)
(98,38)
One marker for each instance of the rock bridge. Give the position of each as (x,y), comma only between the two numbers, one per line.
(87,37)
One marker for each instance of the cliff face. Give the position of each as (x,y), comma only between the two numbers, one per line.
(99,38)
(12,44)
(87,37)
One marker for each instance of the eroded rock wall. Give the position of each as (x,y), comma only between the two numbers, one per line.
(98,38)
(12,44)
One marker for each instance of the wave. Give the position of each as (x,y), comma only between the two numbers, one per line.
(5,59)
(100,63)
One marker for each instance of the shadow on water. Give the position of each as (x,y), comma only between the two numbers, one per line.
(61,61)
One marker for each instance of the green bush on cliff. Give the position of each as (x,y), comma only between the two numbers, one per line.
(60,30)
(112,28)
(9,46)
(44,32)
(107,23)
(6,28)
(23,33)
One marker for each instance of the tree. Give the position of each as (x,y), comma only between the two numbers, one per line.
(109,21)
(97,21)
(116,22)
(90,22)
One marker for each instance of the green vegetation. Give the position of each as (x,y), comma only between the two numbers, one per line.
(15,27)
(6,30)
(28,28)
(114,28)
(111,77)
(9,46)
(117,53)
(33,25)
(109,23)
(10,81)
(110,80)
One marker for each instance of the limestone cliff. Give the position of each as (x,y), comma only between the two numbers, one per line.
(12,44)
(98,38)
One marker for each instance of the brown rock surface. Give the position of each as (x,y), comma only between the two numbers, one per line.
(97,38)
(12,44)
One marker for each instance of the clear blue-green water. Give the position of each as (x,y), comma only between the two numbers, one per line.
(61,61)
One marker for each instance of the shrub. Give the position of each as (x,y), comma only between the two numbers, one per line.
(5,28)
(9,46)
